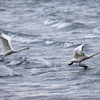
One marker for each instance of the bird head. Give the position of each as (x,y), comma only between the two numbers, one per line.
(27,47)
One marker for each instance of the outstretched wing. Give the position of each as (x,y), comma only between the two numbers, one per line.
(5,42)
(79,51)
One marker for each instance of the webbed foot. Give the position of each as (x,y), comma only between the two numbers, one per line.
(83,65)
(70,63)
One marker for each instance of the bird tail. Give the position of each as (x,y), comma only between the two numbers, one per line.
(94,54)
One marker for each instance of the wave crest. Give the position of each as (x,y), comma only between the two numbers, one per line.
(6,71)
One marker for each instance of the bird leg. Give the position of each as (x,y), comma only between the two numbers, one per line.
(70,63)
(83,65)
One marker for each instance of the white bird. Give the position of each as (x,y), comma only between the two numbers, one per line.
(6,44)
(79,56)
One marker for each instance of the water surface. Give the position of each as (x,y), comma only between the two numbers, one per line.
(52,29)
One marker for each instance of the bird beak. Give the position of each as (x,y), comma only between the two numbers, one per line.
(27,48)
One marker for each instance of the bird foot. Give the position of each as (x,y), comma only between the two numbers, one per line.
(83,65)
(70,63)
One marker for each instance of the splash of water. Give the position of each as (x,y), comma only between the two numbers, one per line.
(35,71)
(45,62)
(6,71)
(61,25)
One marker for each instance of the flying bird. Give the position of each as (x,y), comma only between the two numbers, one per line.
(79,56)
(6,45)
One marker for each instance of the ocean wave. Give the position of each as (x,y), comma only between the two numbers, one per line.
(6,71)
(25,40)
(61,25)
(64,24)
(49,22)
(96,30)
(49,42)
(45,62)
(68,44)
(22,38)
(77,25)
(36,71)
(59,43)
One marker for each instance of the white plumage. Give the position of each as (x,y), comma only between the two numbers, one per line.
(80,56)
(79,51)
(6,45)
(5,42)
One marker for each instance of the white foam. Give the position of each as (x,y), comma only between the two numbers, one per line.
(68,44)
(55,25)
(61,25)
(6,71)
(48,42)
(49,21)
(45,62)
(96,30)
(90,36)
(35,71)
(54,69)
(24,39)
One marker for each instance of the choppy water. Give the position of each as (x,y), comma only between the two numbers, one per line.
(52,29)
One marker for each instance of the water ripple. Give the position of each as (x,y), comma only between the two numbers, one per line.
(6,71)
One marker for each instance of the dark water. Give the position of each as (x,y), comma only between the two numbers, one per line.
(52,29)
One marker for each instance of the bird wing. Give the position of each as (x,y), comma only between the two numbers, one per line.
(79,51)
(5,42)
